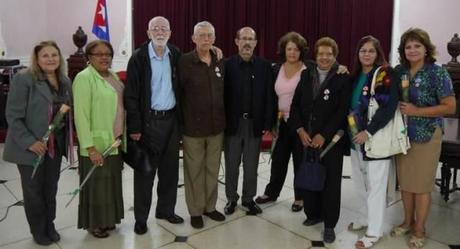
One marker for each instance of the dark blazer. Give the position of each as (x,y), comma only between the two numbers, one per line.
(386,96)
(326,113)
(262,94)
(137,94)
(27,115)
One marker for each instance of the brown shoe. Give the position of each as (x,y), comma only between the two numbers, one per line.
(99,233)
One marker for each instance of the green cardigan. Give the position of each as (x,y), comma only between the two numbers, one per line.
(95,106)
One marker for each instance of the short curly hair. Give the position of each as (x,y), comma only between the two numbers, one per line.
(295,38)
(327,42)
(420,35)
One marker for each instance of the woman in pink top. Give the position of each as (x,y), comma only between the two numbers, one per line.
(292,49)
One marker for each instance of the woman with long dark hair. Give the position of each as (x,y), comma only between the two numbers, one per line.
(370,176)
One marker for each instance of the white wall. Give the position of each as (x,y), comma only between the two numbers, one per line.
(441,19)
(20,31)
(25,22)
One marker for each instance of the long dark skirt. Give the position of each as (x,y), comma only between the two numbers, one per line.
(101,199)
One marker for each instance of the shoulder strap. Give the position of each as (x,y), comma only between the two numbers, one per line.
(372,90)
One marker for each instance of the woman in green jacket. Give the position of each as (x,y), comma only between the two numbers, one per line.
(99,119)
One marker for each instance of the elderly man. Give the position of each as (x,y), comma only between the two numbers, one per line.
(151,102)
(249,114)
(202,86)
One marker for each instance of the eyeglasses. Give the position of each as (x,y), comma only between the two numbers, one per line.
(100,55)
(158,29)
(370,51)
(205,35)
(248,39)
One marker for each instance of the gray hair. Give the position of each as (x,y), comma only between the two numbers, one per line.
(157,18)
(203,24)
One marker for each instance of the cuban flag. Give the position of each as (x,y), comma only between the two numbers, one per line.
(101,22)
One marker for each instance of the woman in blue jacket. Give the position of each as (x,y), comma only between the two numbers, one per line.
(370,176)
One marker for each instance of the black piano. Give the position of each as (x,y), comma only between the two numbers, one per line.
(450,157)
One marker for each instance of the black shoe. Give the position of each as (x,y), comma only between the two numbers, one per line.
(311,222)
(53,235)
(140,227)
(196,222)
(252,208)
(173,219)
(215,215)
(42,240)
(329,235)
(230,207)
(261,200)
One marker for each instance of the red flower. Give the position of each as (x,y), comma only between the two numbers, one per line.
(386,81)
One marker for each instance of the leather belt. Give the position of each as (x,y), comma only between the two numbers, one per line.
(162,113)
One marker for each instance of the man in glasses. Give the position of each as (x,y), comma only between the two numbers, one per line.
(202,92)
(249,114)
(151,102)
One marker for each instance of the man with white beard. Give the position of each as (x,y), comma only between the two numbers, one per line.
(151,102)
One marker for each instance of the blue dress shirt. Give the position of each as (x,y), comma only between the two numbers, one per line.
(161,82)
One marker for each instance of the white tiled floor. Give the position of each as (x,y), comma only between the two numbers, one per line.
(277,227)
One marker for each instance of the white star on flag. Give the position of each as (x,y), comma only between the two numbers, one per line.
(102,13)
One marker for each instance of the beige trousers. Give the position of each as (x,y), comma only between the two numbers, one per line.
(201,170)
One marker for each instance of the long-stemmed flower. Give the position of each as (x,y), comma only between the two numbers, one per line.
(55,124)
(105,154)
(405,92)
(276,130)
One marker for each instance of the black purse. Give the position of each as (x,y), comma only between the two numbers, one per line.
(138,157)
(311,174)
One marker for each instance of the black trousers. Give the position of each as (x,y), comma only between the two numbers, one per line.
(161,137)
(39,194)
(287,143)
(325,204)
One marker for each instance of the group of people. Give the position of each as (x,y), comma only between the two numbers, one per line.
(213,105)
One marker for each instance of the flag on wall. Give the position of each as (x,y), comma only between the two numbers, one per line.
(101,22)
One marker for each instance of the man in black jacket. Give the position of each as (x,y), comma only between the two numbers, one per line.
(249,114)
(151,102)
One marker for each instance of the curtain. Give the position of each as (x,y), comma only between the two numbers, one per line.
(346,21)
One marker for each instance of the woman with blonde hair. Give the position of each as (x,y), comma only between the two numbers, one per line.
(35,97)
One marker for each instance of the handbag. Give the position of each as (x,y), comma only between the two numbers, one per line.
(138,157)
(391,139)
(311,174)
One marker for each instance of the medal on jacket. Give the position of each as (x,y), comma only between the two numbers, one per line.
(365,90)
(217,70)
(326,94)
